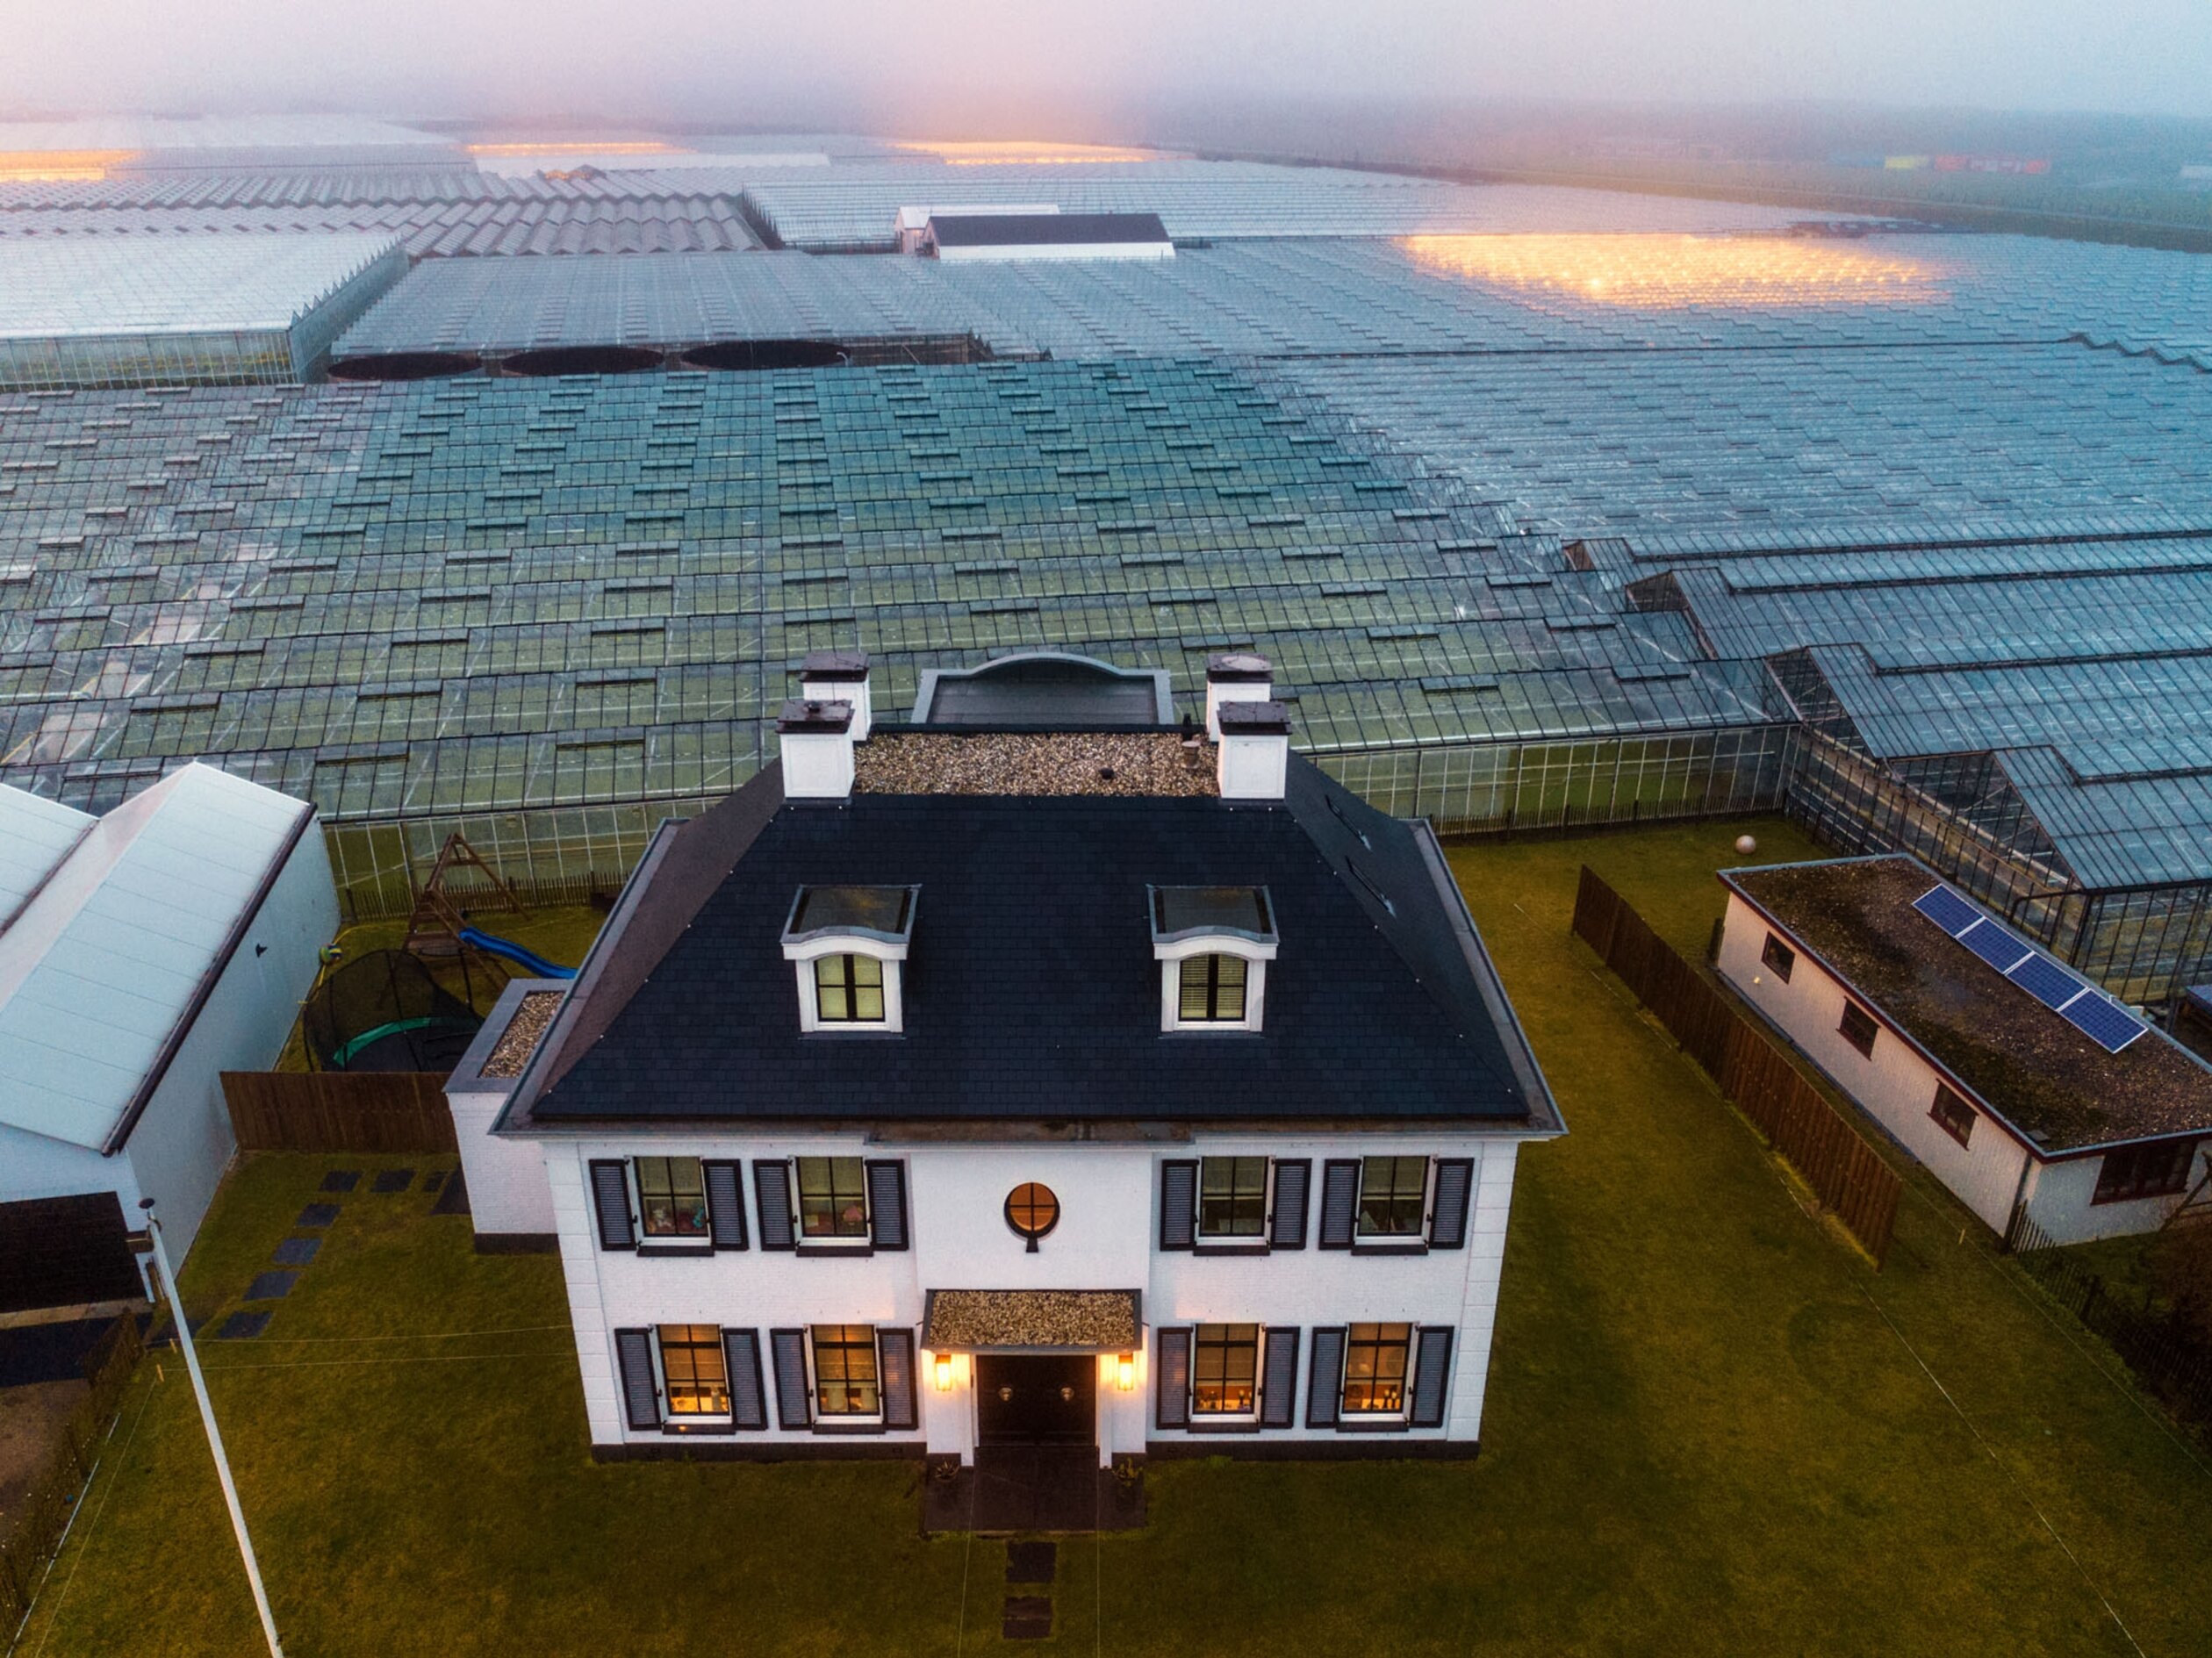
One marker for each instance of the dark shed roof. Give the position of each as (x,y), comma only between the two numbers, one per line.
(1031,991)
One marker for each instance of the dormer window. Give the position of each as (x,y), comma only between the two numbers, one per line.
(1213,945)
(849,943)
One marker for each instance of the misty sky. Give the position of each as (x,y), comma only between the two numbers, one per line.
(769,61)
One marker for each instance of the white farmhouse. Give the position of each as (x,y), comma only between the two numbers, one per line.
(2037,1099)
(1038,1073)
(142,953)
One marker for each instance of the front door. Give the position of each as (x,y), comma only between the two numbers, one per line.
(1036,1398)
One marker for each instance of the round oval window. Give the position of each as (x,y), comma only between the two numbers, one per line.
(1032,1210)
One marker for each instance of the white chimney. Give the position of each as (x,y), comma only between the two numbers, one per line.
(1252,762)
(1237,677)
(839,676)
(817,749)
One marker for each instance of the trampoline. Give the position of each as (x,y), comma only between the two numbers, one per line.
(387,1012)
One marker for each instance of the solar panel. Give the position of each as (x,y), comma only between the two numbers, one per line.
(1994,945)
(2108,1024)
(2047,981)
(1947,910)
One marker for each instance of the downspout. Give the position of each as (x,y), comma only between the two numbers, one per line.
(2020,1195)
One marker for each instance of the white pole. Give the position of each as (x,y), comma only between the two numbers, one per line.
(214,1434)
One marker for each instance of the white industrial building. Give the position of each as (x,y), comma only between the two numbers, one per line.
(971,237)
(1013,1078)
(2035,1097)
(245,309)
(142,953)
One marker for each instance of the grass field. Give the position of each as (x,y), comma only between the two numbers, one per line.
(1712,1428)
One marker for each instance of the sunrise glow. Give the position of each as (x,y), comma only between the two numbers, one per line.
(571,148)
(47,166)
(1011,154)
(1661,272)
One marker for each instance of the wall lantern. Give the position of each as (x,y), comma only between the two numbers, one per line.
(1126,1372)
(944,1372)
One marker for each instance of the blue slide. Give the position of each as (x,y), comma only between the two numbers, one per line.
(536,965)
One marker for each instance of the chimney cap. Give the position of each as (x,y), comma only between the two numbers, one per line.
(797,715)
(1254,718)
(834,665)
(1238,667)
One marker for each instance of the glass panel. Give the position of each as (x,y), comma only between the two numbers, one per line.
(849,989)
(1374,1368)
(845,1370)
(1392,1196)
(1232,1196)
(1212,989)
(833,1198)
(1224,1368)
(691,1366)
(672,1196)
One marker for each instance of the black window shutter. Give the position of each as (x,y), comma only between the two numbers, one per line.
(748,1399)
(610,1198)
(1325,1390)
(1279,1379)
(1178,1203)
(1172,1380)
(1454,1187)
(1432,1368)
(772,1190)
(1340,1202)
(1287,1230)
(641,1398)
(795,1400)
(886,1203)
(895,1363)
(725,1205)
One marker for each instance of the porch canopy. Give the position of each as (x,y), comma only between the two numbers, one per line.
(1033,1321)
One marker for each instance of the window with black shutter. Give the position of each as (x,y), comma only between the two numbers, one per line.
(895,1353)
(1279,1379)
(1340,1202)
(725,1204)
(1171,1378)
(888,1203)
(748,1396)
(1431,1370)
(1287,1227)
(1324,1387)
(611,1203)
(1455,1193)
(794,1397)
(641,1390)
(772,1193)
(1178,1203)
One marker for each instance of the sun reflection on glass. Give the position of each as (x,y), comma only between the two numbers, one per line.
(1015,154)
(48,167)
(1660,273)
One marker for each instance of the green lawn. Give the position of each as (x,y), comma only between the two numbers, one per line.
(1711,1429)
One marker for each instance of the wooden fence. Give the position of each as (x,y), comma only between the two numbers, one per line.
(44,1515)
(1845,1172)
(374,1111)
(2158,1342)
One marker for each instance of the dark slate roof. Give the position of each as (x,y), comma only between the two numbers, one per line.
(1045,230)
(1031,992)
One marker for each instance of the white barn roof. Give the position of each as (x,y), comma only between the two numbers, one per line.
(112,950)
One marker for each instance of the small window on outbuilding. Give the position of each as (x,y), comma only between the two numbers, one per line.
(1213,945)
(1858,1028)
(1952,1113)
(2159,1169)
(850,944)
(1779,959)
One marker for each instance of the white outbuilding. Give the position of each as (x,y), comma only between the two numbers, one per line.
(2052,1111)
(142,953)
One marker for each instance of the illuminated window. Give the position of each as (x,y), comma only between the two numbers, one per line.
(1212,990)
(672,1197)
(833,1198)
(849,989)
(1032,1210)
(1224,1369)
(845,1371)
(693,1370)
(1374,1368)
